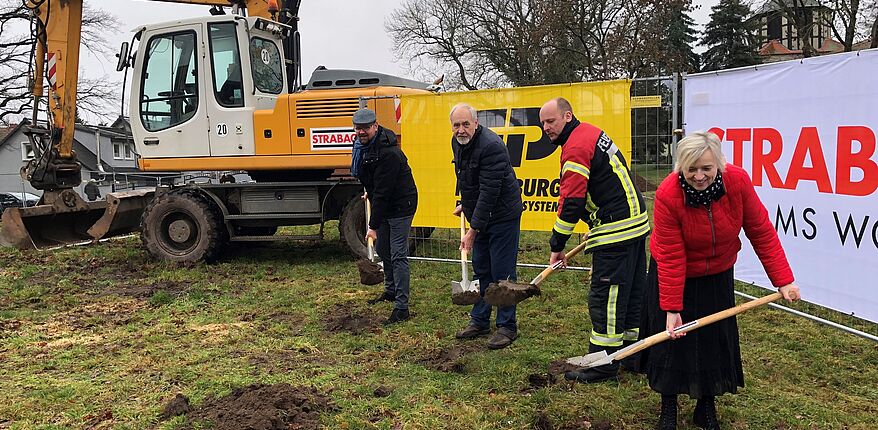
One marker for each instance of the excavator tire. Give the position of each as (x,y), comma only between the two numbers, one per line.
(182,226)
(352,230)
(352,227)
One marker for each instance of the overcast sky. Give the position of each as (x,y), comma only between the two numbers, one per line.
(335,33)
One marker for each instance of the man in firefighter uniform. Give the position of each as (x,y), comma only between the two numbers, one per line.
(597,187)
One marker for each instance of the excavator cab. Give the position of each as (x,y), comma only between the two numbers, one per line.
(185,103)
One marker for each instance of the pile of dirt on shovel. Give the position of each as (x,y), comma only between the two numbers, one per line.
(466,298)
(506,293)
(257,407)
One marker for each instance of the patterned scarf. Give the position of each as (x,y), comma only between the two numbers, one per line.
(697,198)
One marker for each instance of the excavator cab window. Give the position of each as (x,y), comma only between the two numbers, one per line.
(169,96)
(267,68)
(226,61)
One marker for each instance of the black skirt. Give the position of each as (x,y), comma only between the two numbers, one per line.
(705,362)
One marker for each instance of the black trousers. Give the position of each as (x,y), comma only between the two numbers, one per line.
(618,282)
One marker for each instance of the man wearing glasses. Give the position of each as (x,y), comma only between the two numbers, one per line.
(490,198)
(383,169)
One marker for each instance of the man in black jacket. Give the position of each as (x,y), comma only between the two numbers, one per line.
(490,198)
(381,166)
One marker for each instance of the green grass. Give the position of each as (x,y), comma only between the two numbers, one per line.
(104,328)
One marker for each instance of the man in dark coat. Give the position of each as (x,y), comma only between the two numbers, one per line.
(382,167)
(490,198)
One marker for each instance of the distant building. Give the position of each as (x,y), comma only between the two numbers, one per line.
(113,145)
(780,39)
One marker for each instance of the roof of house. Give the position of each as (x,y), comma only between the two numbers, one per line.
(8,131)
(771,6)
(774,47)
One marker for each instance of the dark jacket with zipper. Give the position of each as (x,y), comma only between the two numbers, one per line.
(386,174)
(489,191)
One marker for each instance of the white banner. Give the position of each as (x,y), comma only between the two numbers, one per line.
(805,131)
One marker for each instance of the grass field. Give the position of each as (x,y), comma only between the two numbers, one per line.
(104,337)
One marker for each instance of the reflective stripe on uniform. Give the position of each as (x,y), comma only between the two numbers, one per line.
(631,334)
(603,339)
(610,233)
(619,225)
(618,237)
(564,227)
(627,184)
(575,167)
(612,300)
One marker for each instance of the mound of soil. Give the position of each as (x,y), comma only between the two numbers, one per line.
(260,407)
(346,317)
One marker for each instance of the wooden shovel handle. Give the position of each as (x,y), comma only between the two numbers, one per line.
(548,270)
(700,322)
(370,241)
(462,234)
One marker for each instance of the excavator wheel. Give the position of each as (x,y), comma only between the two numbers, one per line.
(182,226)
(352,229)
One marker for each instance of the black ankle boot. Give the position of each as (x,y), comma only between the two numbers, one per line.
(668,419)
(705,414)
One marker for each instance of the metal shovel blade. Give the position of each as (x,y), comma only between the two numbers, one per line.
(591,360)
(465,292)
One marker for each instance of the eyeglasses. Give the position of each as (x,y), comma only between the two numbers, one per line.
(363,127)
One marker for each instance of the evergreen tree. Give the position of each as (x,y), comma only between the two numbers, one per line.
(729,37)
(677,45)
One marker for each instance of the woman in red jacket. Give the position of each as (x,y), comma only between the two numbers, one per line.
(700,210)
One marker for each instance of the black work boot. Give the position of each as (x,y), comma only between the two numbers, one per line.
(472,331)
(607,372)
(705,413)
(384,297)
(398,315)
(668,418)
(502,338)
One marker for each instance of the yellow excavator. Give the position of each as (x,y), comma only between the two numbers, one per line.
(221,92)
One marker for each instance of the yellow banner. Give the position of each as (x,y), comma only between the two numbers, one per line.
(512,113)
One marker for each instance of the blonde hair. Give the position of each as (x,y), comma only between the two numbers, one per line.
(693,146)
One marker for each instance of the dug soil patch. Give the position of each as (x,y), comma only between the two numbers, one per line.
(258,407)
(347,317)
(449,359)
(553,375)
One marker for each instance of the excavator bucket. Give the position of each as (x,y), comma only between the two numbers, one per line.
(64,218)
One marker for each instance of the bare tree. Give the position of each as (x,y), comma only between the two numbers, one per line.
(16,61)
(799,13)
(852,20)
(527,42)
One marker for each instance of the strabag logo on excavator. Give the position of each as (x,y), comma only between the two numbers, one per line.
(332,138)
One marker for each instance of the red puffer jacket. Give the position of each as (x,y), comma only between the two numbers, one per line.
(689,242)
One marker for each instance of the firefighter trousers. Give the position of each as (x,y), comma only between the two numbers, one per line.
(618,283)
